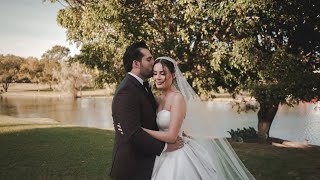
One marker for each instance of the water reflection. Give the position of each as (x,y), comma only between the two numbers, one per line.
(300,123)
(297,124)
(90,112)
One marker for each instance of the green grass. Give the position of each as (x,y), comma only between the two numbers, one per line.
(85,153)
(56,153)
(269,162)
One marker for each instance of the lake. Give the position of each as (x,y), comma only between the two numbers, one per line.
(297,124)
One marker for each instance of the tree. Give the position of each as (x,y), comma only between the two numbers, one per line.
(32,70)
(102,59)
(72,77)
(267,48)
(271,50)
(258,46)
(56,53)
(93,24)
(51,60)
(9,68)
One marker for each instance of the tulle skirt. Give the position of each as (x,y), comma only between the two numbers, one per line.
(200,158)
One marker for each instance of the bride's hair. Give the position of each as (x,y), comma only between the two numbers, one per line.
(165,63)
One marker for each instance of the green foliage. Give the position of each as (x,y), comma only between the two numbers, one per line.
(244,135)
(265,52)
(9,69)
(266,48)
(92,25)
(182,30)
(72,77)
(238,45)
(56,53)
(102,59)
(51,60)
(31,70)
(26,70)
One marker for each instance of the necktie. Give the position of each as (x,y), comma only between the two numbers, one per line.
(147,86)
(148,89)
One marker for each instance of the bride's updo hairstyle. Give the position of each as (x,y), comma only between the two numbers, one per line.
(165,63)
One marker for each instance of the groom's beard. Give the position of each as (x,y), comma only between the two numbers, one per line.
(146,73)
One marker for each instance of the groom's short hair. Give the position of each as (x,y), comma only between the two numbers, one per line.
(133,53)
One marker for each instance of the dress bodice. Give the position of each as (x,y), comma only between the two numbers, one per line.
(163,120)
(192,162)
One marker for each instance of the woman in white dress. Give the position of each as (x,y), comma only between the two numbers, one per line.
(200,158)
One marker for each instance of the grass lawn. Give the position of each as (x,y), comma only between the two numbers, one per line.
(55,153)
(85,153)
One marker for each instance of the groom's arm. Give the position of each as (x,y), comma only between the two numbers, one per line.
(127,115)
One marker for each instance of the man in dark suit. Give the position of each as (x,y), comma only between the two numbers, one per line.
(134,107)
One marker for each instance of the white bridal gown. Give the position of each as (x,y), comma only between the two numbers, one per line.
(198,159)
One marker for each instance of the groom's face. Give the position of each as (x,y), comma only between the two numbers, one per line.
(146,64)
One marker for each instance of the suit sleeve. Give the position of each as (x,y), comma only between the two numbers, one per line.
(127,115)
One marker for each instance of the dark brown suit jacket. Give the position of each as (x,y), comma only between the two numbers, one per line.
(134,150)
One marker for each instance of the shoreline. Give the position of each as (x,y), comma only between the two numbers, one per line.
(15,124)
(30,90)
(43,90)
(100,93)
(54,94)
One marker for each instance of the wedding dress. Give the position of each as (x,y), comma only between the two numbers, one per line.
(198,159)
(190,162)
(206,155)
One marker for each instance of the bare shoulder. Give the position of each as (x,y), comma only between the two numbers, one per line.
(177,96)
(178,103)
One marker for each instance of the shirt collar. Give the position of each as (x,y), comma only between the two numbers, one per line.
(137,77)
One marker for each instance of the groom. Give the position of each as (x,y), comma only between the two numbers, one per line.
(134,107)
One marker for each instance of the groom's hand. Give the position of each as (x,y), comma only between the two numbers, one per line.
(174,146)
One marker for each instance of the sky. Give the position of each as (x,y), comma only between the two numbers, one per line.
(29,28)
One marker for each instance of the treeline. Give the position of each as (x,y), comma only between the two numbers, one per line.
(54,68)
(267,48)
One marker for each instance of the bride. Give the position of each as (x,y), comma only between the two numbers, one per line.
(180,109)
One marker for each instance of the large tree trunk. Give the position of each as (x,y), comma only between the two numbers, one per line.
(266,115)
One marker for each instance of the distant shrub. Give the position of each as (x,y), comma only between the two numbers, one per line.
(244,135)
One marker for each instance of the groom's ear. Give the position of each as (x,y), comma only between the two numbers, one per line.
(173,75)
(135,64)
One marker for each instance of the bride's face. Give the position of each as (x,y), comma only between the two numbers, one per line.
(162,76)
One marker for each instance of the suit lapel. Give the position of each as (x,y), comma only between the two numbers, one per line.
(143,90)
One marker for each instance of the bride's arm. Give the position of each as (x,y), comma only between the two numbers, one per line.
(177,115)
